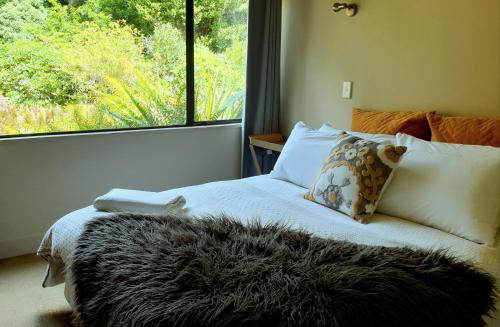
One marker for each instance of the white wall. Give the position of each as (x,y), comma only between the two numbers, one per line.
(43,178)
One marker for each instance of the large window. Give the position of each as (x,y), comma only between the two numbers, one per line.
(90,65)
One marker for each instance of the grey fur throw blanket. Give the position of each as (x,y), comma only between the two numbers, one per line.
(134,270)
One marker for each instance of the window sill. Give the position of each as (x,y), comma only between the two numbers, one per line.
(204,125)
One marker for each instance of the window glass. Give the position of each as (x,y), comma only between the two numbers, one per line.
(85,65)
(219,58)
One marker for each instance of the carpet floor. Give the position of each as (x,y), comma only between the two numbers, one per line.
(23,301)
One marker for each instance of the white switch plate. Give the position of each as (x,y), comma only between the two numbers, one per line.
(347,90)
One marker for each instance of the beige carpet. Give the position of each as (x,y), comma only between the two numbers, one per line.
(23,301)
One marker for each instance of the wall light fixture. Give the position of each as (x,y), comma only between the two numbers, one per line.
(350,8)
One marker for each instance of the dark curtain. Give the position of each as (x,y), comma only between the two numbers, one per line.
(262,103)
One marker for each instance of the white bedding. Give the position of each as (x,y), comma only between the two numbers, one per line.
(273,200)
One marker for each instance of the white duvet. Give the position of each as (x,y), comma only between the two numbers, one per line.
(273,200)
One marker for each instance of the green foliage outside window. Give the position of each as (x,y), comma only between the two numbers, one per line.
(15,15)
(31,73)
(104,64)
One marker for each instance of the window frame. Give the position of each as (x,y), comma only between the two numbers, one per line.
(190,94)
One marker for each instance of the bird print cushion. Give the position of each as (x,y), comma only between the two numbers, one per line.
(354,176)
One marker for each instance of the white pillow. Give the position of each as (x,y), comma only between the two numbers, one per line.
(303,155)
(380,138)
(452,187)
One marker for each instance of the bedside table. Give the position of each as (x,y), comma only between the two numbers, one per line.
(270,142)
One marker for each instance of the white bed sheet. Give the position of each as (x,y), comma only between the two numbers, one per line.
(273,200)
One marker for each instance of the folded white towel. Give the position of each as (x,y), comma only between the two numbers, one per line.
(120,200)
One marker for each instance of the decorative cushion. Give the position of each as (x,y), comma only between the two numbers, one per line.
(303,154)
(355,175)
(411,123)
(465,130)
(451,187)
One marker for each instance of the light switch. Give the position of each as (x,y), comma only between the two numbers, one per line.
(347,90)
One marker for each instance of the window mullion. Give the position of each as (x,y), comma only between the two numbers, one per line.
(190,91)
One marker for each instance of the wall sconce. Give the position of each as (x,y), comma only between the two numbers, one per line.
(350,8)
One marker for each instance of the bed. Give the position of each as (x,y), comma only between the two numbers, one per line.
(281,197)
(274,200)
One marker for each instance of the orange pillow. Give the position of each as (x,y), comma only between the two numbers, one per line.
(411,123)
(465,130)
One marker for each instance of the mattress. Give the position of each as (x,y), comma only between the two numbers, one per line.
(271,200)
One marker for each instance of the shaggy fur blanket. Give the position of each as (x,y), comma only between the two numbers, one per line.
(133,270)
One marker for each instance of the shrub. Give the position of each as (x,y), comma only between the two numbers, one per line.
(96,53)
(81,117)
(215,20)
(144,103)
(16,15)
(91,46)
(31,73)
(166,49)
(219,22)
(18,119)
(69,20)
(220,82)
(144,14)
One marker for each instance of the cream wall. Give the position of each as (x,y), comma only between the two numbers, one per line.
(400,54)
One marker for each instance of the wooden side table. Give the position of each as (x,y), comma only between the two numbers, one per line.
(270,142)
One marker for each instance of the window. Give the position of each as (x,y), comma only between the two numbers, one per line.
(219,59)
(92,65)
